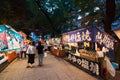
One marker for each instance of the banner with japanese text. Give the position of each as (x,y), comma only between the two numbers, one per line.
(3,41)
(79,35)
(89,35)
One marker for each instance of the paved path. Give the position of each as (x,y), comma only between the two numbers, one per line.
(54,69)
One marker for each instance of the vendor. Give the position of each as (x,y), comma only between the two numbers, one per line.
(100,53)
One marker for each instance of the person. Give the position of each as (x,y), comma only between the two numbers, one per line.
(31,54)
(18,53)
(24,48)
(45,46)
(45,49)
(40,53)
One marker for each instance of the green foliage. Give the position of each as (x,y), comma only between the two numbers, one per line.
(52,16)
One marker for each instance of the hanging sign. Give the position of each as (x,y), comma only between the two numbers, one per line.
(104,39)
(80,35)
(89,35)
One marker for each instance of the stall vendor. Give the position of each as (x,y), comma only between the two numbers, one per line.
(99,53)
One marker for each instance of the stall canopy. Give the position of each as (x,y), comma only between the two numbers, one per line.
(24,35)
(9,38)
(91,34)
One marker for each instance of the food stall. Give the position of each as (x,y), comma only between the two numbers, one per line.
(87,47)
(56,47)
(9,43)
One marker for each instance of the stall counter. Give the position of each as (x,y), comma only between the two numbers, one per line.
(11,55)
(59,53)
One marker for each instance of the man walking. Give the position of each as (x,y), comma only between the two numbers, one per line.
(40,53)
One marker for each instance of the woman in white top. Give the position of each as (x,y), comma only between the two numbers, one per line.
(31,54)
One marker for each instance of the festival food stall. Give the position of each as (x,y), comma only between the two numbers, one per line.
(87,48)
(56,47)
(9,42)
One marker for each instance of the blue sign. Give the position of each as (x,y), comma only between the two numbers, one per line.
(89,35)
(80,35)
(103,39)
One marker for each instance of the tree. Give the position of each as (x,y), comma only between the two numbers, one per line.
(110,15)
(55,12)
(54,17)
(12,11)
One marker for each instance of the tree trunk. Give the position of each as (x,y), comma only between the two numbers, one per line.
(110,14)
(46,15)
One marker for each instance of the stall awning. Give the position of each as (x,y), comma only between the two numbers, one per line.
(91,34)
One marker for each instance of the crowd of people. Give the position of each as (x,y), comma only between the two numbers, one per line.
(29,50)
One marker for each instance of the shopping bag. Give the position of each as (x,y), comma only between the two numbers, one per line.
(45,54)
